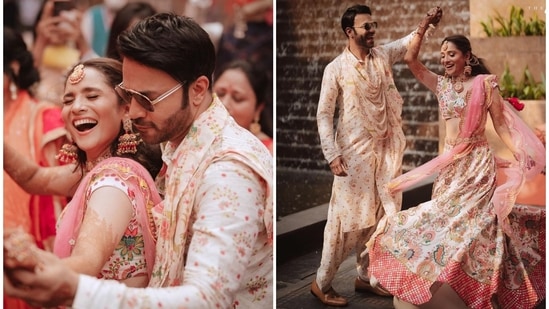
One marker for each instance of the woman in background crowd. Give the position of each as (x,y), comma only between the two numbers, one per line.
(242,89)
(36,130)
(125,18)
(58,45)
(96,24)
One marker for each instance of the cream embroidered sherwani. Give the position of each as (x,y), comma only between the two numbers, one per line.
(369,137)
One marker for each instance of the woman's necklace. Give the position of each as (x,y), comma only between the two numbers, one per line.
(458,83)
(91,164)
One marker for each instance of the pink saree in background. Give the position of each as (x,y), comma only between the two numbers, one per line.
(140,187)
(471,235)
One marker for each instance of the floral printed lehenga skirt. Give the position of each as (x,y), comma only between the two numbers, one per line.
(456,238)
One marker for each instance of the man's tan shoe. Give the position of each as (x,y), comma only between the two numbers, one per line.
(364,286)
(330,298)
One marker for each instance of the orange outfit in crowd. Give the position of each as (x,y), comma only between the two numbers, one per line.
(37,131)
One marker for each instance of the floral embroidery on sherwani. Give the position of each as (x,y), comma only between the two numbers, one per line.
(369,133)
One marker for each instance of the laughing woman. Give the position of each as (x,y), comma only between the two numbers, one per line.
(107,229)
(470,246)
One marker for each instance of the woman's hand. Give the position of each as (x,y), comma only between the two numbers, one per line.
(49,284)
(434,15)
(56,30)
(19,250)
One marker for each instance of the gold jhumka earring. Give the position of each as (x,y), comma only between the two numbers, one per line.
(67,154)
(467,69)
(13,91)
(469,64)
(255,127)
(127,143)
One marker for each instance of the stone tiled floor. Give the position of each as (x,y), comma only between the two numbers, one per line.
(302,198)
(293,283)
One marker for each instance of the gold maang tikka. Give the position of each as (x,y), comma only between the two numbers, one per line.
(77,74)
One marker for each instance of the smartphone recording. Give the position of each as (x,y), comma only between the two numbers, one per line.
(59,6)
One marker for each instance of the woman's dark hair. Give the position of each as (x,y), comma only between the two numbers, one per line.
(12,17)
(15,49)
(149,156)
(348,18)
(463,44)
(256,77)
(173,44)
(123,20)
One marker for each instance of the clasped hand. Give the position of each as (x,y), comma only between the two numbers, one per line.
(33,275)
(434,15)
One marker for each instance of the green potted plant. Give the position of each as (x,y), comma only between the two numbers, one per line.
(527,96)
(514,42)
(515,25)
(514,50)
(526,89)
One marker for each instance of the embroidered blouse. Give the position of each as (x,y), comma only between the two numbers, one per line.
(452,105)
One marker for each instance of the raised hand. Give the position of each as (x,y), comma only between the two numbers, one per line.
(434,15)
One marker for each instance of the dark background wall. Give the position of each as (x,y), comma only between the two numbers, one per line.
(308,37)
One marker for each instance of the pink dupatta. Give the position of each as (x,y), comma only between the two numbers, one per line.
(530,156)
(138,180)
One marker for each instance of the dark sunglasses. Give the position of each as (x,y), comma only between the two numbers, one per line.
(368,26)
(143,100)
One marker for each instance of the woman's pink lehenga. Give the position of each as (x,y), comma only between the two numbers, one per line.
(471,234)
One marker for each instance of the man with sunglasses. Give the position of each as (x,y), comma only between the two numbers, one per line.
(364,150)
(215,228)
